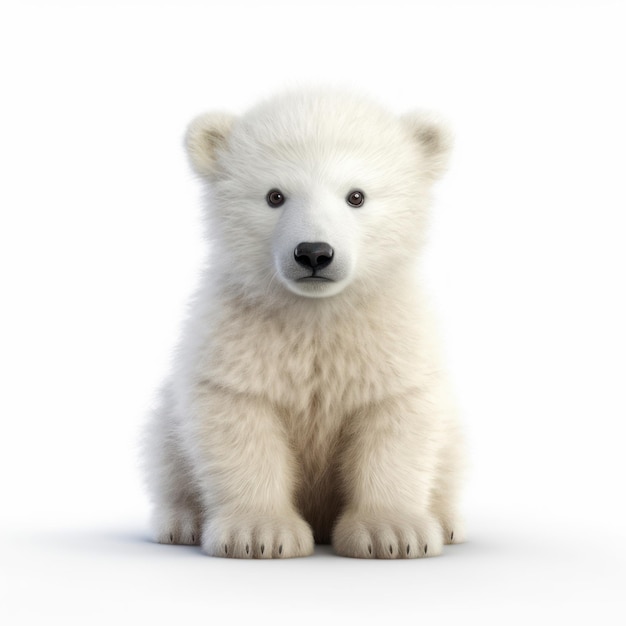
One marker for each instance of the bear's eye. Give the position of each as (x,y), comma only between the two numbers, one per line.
(275,198)
(355,198)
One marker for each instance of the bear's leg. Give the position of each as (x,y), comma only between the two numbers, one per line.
(388,469)
(446,492)
(177,516)
(247,475)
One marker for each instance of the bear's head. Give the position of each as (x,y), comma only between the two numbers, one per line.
(316,193)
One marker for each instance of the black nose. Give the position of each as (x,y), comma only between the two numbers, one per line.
(316,255)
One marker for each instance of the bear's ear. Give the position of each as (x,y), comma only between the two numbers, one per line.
(434,139)
(206,136)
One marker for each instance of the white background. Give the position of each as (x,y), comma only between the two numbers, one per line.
(100,246)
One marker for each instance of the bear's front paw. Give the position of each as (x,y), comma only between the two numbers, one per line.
(387,535)
(252,536)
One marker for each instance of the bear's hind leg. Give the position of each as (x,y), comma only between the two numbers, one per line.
(177,514)
(446,492)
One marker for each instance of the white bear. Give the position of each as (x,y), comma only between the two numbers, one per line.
(308,403)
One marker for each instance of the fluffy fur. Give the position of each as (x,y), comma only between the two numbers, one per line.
(301,411)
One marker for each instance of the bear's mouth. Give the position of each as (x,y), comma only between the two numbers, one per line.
(313,278)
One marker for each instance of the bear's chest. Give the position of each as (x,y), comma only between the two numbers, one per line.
(305,370)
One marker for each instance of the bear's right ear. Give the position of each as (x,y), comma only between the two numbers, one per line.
(206,136)
(434,139)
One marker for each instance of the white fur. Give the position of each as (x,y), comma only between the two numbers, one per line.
(301,410)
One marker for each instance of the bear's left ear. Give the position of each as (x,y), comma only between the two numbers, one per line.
(207,136)
(434,139)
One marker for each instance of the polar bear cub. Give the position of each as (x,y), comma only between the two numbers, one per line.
(308,403)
